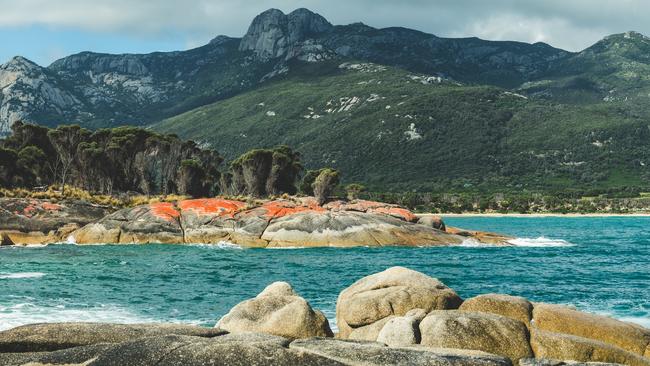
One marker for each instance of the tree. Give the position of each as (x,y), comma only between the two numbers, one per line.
(66,140)
(354,190)
(325,184)
(306,185)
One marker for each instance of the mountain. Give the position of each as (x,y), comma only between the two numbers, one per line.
(394,108)
(101,90)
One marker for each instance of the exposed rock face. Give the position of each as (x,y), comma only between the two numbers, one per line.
(393,292)
(561,319)
(569,347)
(57,336)
(371,353)
(279,311)
(402,331)
(432,221)
(282,223)
(31,221)
(478,331)
(25,84)
(513,307)
(273,33)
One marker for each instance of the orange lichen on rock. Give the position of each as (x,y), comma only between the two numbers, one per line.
(401,213)
(212,206)
(164,210)
(275,209)
(51,206)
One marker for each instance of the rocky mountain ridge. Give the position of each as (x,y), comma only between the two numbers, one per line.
(102,90)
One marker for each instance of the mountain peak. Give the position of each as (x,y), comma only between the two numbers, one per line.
(273,32)
(19,63)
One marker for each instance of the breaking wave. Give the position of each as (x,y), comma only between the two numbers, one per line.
(539,242)
(21,275)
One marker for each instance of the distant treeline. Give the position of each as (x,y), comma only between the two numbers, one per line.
(129,159)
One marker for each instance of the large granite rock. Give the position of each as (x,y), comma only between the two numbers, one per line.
(70,356)
(476,331)
(513,307)
(277,310)
(26,221)
(561,319)
(559,346)
(232,350)
(393,292)
(57,336)
(281,223)
(402,331)
(372,353)
(272,33)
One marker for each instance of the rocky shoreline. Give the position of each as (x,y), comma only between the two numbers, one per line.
(293,222)
(395,317)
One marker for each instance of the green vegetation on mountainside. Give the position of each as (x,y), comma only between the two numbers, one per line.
(399,131)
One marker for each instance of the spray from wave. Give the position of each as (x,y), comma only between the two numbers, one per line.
(219,245)
(539,242)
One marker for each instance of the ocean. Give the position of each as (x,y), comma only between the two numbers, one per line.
(600,265)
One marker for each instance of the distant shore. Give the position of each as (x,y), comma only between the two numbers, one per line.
(572,215)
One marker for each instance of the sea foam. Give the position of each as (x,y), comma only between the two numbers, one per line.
(20,275)
(539,242)
(28,313)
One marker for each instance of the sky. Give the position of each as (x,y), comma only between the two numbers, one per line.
(46,30)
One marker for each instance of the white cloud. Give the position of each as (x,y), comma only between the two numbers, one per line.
(572,24)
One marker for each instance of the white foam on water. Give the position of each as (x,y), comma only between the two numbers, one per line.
(473,243)
(219,245)
(27,313)
(642,321)
(20,275)
(539,242)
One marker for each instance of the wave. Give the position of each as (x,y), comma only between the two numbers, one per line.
(539,242)
(28,313)
(21,275)
(642,321)
(219,245)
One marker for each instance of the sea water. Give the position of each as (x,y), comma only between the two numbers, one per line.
(601,265)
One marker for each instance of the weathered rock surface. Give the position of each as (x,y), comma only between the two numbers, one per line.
(395,291)
(31,221)
(279,311)
(76,355)
(569,347)
(273,33)
(432,221)
(282,223)
(57,336)
(561,319)
(478,331)
(371,353)
(513,307)
(402,331)
(548,362)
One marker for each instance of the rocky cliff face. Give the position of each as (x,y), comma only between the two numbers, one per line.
(28,91)
(272,33)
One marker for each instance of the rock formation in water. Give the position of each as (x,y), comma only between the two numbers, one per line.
(427,324)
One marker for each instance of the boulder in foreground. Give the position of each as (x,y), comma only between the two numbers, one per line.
(393,292)
(279,311)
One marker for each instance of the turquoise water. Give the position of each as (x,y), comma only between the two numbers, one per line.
(596,264)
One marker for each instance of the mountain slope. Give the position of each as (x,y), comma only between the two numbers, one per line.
(396,130)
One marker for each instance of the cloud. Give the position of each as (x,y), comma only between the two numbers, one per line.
(571,24)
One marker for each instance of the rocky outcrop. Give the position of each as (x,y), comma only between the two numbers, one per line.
(25,221)
(400,306)
(299,222)
(57,336)
(562,346)
(394,292)
(477,331)
(277,310)
(513,307)
(561,319)
(273,33)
